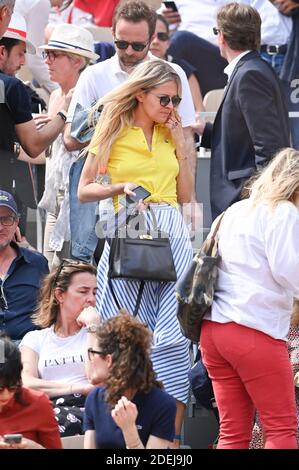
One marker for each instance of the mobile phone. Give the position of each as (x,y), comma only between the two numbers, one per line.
(170,5)
(12,438)
(141,193)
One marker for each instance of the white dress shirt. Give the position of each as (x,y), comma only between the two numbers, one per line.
(276,28)
(199,17)
(258,273)
(231,66)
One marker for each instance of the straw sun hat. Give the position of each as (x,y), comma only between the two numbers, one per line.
(73,39)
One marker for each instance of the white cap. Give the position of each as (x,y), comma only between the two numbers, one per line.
(17,29)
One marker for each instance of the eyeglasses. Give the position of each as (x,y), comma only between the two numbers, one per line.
(91,352)
(165,99)
(68,262)
(51,55)
(3,301)
(12,388)
(137,46)
(216,31)
(162,36)
(8,220)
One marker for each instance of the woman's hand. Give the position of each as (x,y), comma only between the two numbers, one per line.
(128,189)
(199,125)
(125,414)
(174,124)
(285,6)
(24,444)
(88,316)
(171,16)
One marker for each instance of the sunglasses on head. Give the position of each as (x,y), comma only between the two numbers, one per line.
(165,100)
(136,46)
(162,36)
(216,31)
(67,262)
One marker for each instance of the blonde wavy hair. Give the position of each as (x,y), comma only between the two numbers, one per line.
(279,181)
(118,105)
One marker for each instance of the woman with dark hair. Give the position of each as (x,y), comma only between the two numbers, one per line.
(22,410)
(53,357)
(131,410)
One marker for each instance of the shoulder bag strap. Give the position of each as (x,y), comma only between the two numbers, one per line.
(212,244)
(138,300)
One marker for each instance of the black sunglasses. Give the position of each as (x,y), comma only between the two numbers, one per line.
(137,46)
(162,36)
(91,352)
(216,31)
(68,262)
(12,388)
(165,99)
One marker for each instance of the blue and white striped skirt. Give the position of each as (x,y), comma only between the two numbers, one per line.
(170,349)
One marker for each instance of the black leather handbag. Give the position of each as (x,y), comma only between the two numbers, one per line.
(140,254)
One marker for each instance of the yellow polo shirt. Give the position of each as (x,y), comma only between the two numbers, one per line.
(156,170)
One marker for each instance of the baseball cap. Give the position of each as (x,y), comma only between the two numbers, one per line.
(7,200)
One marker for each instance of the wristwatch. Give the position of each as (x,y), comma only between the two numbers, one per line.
(62,114)
(93,328)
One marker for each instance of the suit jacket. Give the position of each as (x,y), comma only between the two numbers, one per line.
(250,126)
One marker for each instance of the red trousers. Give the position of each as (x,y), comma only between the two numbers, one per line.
(250,371)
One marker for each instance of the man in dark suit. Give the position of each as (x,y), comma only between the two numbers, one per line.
(252,121)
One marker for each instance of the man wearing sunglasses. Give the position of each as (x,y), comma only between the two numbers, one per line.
(133,28)
(21,272)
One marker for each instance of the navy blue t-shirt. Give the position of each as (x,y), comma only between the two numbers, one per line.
(15,108)
(156,416)
(21,288)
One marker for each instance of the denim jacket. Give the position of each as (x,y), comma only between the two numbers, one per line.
(83,218)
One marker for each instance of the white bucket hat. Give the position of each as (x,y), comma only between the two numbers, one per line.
(17,29)
(73,39)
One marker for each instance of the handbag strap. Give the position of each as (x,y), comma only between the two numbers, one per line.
(138,300)
(134,213)
(211,241)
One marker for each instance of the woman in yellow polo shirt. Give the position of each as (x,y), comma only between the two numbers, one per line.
(139,141)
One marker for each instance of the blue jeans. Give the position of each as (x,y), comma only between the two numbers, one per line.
(276,61)
(83,218)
